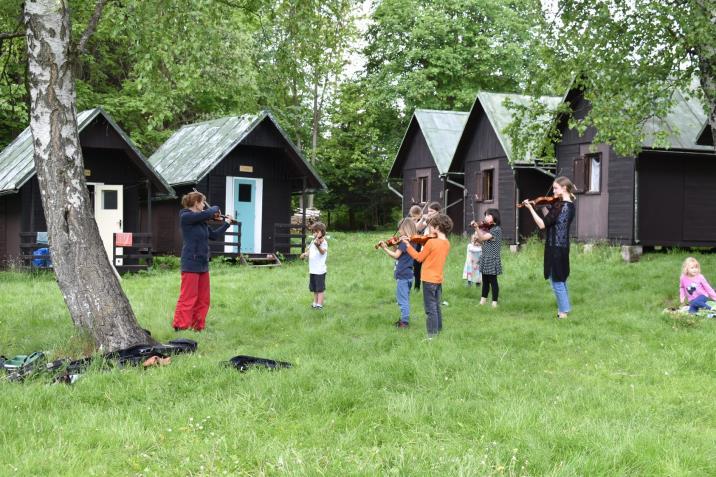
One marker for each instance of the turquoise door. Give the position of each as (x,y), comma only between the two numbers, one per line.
(245,207)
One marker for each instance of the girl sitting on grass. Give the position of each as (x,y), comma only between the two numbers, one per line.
(694,287)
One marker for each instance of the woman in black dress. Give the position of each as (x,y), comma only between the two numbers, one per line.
(556,249)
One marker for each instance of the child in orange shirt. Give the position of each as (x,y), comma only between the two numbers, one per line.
(433,257)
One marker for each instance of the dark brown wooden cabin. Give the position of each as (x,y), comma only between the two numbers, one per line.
(705,137)
(121,183)
(249,168)
(423,161)
(494,179)
(661,197)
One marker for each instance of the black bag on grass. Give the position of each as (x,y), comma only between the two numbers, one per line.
(177,346)
(134,355)
(21,366)
(244,363)
(70,370)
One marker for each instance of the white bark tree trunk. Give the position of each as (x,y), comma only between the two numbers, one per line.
(95,299)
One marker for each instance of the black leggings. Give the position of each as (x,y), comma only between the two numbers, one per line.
(416,269)
(487,282)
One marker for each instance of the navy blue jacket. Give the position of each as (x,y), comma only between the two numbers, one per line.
(196,234)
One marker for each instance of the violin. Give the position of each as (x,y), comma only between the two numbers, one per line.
(218,216)
(392,241)
(482,225)
(422,239)
(221,217)
(542,200)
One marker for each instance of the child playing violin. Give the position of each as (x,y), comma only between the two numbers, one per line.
(490,261)
(421,222)
(317,252)
(433,257)
(403,271)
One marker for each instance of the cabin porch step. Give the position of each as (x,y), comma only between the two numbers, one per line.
(256,260)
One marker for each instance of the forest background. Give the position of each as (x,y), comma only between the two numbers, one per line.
(344,76)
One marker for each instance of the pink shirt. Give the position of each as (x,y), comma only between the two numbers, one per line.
(691,287)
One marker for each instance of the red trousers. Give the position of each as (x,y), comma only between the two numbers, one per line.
(193,303)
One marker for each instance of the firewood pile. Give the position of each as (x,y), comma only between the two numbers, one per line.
(312,216)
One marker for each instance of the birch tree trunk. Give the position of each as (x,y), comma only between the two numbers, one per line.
(95,299)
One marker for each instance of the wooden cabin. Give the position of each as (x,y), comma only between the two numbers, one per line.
(121,186)
(423,162)
(493,177)
(247,166)
(663,197)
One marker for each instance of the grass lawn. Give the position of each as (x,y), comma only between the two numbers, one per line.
(617,389)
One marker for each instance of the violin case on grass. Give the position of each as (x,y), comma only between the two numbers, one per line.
(244,363)
(68,371)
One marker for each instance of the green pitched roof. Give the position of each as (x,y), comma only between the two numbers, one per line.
(500,116)
(685,119)
(441,130)
(17,163)
(196,149)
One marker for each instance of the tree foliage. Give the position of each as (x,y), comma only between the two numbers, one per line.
(14,97)
(158,65)
(354,163)
(628,58)
(304,47)
(437,54)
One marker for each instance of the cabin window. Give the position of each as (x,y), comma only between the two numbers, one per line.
(423,195)
(486,185)
(244,192)
(588,173)
(593,171)
(109,200)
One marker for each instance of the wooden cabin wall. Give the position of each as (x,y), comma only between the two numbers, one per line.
(419,160)
(677,199)
(621,172)
(507,199)
(3,230)
(569,149)
(484,152)
(269,164)
(10,221)
(456,212)
(111,166)
(166,235)
(531,183)
(594,207)
(100,134)
(32,216)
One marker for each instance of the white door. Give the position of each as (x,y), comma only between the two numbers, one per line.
(108,213)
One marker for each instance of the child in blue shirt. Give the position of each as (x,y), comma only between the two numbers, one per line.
(403,270)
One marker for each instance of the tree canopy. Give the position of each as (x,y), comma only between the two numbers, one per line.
(628,59)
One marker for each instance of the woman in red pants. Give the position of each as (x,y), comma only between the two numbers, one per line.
(194,298)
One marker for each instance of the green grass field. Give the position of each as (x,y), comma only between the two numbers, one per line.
(617,389)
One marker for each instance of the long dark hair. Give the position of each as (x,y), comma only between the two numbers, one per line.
(495,215)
